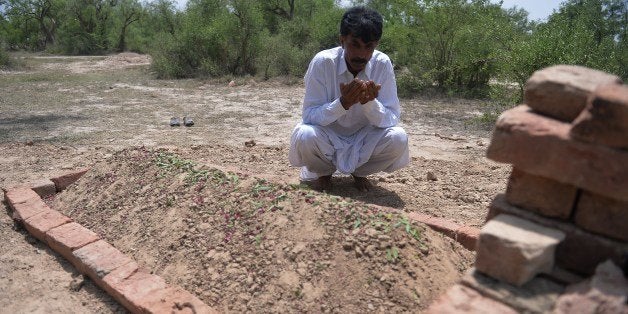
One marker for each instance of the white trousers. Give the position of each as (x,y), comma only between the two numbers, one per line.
(321,152)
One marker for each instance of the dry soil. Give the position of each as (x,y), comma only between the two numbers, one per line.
(215,207)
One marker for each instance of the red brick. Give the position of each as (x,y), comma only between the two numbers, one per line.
(562,91)
(19,195)
(174,300)
(537,296)
(40,223)
(136,291)
(542,147)
(44,187)
(444,226)
(605,120)
(461,299)
(28,209)
(515,250)
(603,215)
(98,259)
(606,292)
(120,274)
(422,218)
(63,181)
(544,196)
(580,252)
(69,237)
(468,237)
(141,292)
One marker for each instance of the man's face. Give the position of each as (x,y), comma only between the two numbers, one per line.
(357,52)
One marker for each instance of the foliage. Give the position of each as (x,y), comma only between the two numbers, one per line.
(5,60)
(590,33)
(455,46)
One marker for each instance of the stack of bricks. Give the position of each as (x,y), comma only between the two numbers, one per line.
(564,216)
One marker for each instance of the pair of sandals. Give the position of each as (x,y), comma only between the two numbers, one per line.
(187,121)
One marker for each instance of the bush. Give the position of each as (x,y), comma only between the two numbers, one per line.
(410,83)
(500,98)
(5,60)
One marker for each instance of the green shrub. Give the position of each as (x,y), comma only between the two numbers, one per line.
(410,83)
(5,60)
(500,98)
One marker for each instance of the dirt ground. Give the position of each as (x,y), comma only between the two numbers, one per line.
(109,113)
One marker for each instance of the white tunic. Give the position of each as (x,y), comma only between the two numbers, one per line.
(347,130)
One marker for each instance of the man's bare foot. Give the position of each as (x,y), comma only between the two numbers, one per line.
(323,183)
(362,183)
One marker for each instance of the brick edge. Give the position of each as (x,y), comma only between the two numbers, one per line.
(467,236)
(133,300)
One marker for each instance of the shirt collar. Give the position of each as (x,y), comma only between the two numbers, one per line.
(342,65)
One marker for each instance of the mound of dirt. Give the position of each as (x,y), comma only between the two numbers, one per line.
(242,243)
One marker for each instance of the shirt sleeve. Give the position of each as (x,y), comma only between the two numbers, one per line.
(317,109)
(384,111)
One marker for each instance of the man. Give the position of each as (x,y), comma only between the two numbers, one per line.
(350,109)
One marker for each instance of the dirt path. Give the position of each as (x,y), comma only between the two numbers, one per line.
(64,113)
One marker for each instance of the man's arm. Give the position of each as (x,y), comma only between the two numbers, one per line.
(384,111)
(317,109)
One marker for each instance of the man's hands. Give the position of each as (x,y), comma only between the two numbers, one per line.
(358,91)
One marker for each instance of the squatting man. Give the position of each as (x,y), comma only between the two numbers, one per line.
(350,109)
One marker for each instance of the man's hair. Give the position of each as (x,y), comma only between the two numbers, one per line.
(363,23)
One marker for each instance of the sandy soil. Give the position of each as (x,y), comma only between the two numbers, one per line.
(63,113)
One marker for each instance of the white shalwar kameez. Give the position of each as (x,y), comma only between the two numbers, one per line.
(360,141)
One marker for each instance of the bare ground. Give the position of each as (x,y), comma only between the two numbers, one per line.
(62,113)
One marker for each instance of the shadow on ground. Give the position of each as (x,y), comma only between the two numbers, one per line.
(43,125)
(343,186)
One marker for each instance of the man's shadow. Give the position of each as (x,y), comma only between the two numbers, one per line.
(343,186)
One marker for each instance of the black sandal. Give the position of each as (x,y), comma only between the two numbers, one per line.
(174,121)
(187,121)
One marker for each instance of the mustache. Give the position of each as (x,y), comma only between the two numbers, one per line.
(359,60)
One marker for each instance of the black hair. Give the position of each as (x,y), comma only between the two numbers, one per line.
(363,23)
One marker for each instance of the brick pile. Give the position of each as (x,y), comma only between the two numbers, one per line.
(557,240)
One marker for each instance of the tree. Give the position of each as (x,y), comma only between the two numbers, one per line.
(88,24)
(43,12)
(128,12)
(589,33)
(276,7)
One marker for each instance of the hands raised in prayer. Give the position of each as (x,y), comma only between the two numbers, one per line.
(358,91)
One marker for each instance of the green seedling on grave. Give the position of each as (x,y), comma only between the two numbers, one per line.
(320,266)
(411,230)
(258,240)
(277,207)
(298,293)
(281,197)
(170,201)
(392,255)
(197,175)
(297,186)
(234,178)
(260,187)
(357,223)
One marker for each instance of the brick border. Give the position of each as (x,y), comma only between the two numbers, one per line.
(136,289)
(467,236)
